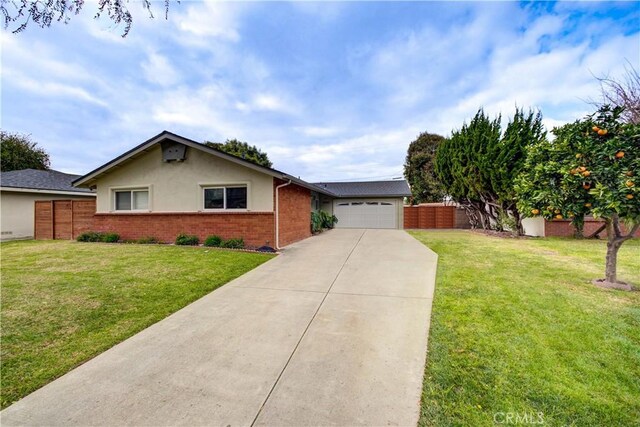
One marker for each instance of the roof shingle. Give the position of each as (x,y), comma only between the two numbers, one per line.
(396,188)
(40,180)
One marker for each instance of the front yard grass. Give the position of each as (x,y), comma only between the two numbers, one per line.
(518,330)
(65,302)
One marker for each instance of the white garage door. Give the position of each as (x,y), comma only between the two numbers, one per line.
(365,213)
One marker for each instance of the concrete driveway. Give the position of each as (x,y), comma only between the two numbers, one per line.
(331,332)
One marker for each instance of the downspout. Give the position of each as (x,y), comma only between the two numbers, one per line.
(278,214)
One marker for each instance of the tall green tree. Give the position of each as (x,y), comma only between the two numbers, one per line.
(478,166)
(591,167)
(419,169)
(18,151)
(243,150)
(463,164)
(523,131)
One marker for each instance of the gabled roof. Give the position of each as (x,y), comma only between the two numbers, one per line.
(396,188)
(33,179)
(89,178)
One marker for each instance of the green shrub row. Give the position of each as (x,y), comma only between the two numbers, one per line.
(96,236)
(219,242)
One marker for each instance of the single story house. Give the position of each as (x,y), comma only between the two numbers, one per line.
(170,185)
(21,188)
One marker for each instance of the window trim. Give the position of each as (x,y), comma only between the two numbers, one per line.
(224,186)
(131,190)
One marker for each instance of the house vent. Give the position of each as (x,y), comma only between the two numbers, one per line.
(173,151)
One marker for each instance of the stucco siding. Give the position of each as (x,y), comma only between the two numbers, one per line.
(17,212)
(178,186)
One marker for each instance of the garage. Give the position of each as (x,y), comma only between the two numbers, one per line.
(366,213)
(366,204)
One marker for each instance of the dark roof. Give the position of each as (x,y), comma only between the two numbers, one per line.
(85,179)
(40,180)
(396,188)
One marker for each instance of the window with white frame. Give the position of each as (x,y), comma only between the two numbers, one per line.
(225,197)
(131,200)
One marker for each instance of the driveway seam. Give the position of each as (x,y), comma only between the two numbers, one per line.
(279,289)
(378,295)
(306,329)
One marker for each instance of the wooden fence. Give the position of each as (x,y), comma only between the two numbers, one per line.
(63,219)
(422,216)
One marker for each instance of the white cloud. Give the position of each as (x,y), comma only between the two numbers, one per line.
(157,69)
(211,20)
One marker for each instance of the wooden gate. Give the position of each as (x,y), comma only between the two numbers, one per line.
(62,219)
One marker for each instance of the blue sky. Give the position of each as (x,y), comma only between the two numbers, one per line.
(330,90)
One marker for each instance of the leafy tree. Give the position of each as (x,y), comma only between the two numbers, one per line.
(20,152)
(478,166)
(243,150)
(463,165)
(523,131)
(419,169)
(591,167)
(45,12)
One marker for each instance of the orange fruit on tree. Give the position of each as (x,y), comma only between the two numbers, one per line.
(558,216)
(586,173)
(535,211)
(587,205)
(629,196)
(629,173)
(619,154)
(578,156)
(581,169)
(603,132)
(629,184)
(595,128)
(557,211)
(586,186)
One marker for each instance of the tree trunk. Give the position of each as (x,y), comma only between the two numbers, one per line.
(611,266)
(578,226)
(615,239)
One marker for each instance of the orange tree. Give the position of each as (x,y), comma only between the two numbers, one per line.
(590,168)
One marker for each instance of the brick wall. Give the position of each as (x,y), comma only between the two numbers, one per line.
(66,219)
(294,212)
(563,228)
(424,216)
(256,228)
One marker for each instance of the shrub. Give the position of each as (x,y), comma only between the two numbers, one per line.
(321,220)
(233,244)
(109,237)
(147,240)
(187,240)
(328,221)
(214,241)
(316,222)
(89,236)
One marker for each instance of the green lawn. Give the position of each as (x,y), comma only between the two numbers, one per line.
(517,327)
(65,302)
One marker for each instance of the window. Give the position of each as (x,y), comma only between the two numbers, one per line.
(225,198)
(372,203)
(132,200)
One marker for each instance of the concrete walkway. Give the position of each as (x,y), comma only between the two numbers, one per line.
(331,332)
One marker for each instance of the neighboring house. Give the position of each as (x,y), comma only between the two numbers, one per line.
(20,189)
(170,185)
